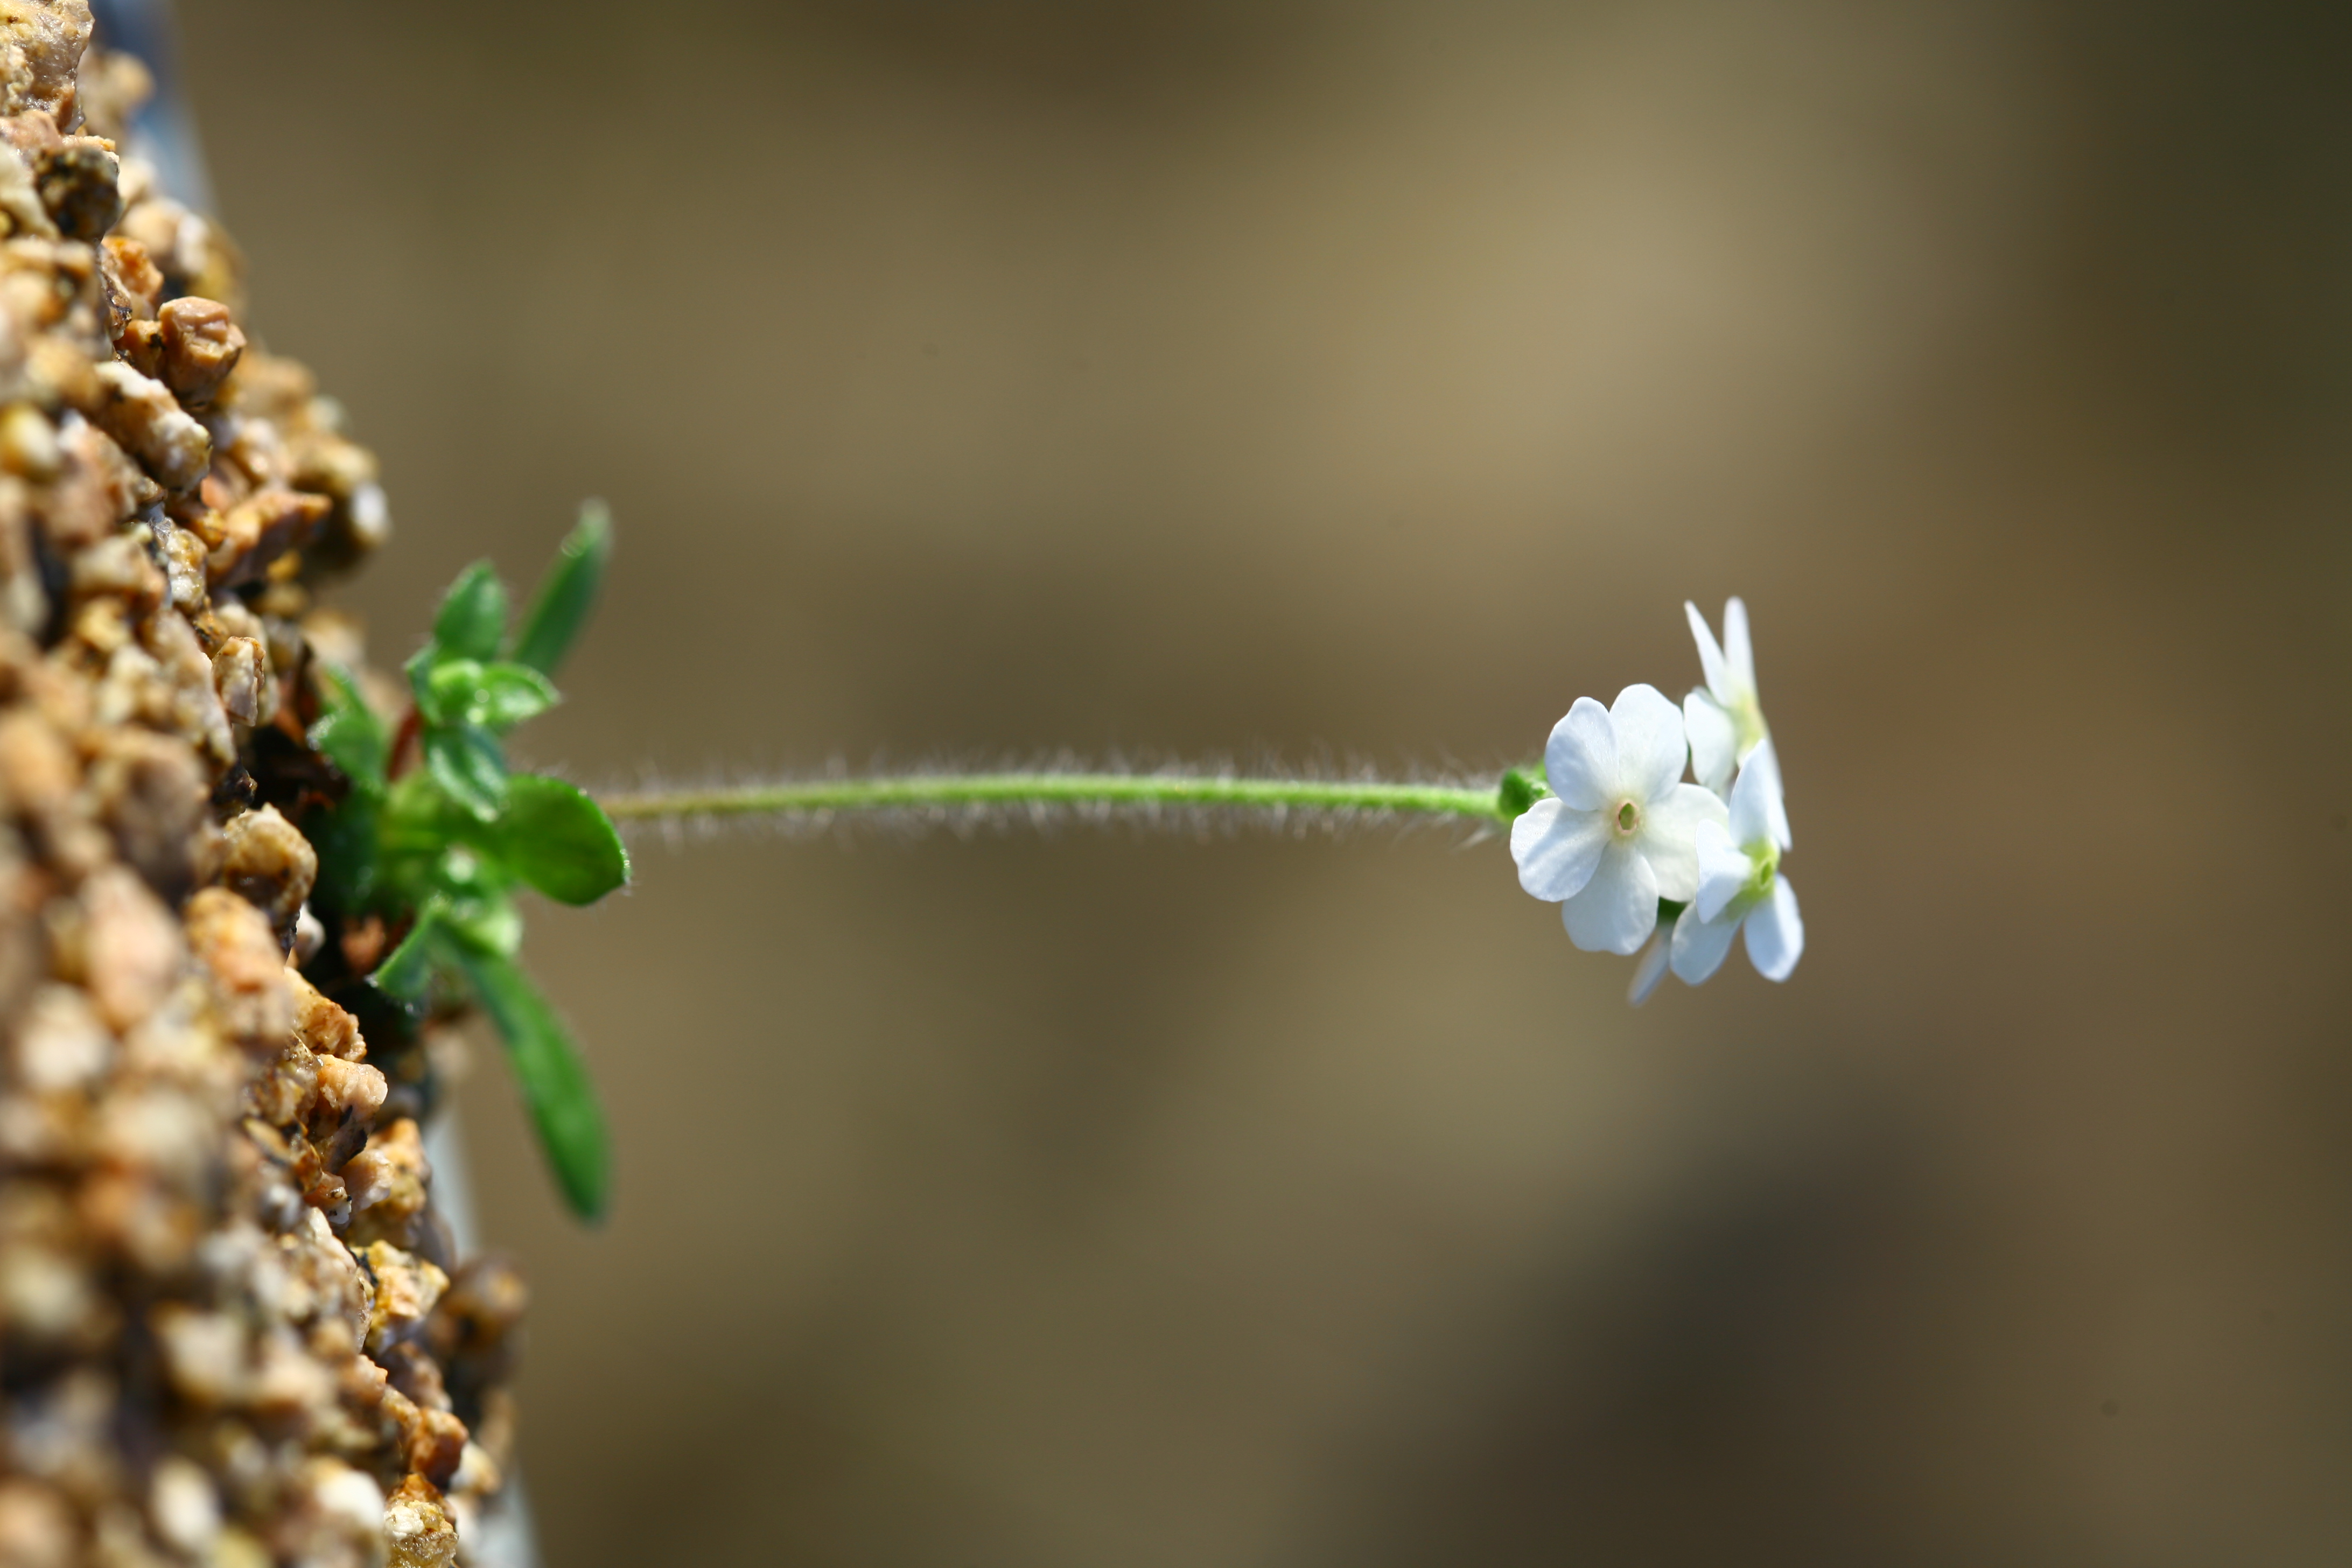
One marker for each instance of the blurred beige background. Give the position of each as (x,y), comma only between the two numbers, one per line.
(970,381)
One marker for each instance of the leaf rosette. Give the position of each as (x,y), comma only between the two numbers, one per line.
(436,835)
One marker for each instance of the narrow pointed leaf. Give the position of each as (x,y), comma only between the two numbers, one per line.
(466,763)
(568,592)
(473,617)
(554,1079)
(349,733)
(557,840)
(489,924)
(346,840)
(406,973)
(419,671)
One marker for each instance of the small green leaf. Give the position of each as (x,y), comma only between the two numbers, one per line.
(465,761)
(554,1079)
(473,617)
(488,924)
(557,840)
(406,973)
(349,733)
(419,671)
(497,696)
(567,593)
(348,851)
(510,693)
(448,691)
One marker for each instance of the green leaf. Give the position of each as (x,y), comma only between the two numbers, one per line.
(554,1079)
(348,850)
(465,761)
(447,691)
(567,593)
(419,671)
(510,693)
(557,840)
(349,732)
(487,923)
(497,696)
(406,973)
(473,617)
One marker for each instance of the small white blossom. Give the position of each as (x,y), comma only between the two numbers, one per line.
(1740,884)
(1726,717)
(1619,830)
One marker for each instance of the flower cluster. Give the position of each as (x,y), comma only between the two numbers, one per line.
(1635,857)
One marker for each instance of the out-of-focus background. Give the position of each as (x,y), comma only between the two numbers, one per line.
(1371,381)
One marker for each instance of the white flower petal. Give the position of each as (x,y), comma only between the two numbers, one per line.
(1700,945)
(1751,795)
(1739,653)
(1651,967)
(1775,934)
(1581,758)
(1750,822)
(1714,740)
(1723,869)
(1669,839)
(1557,848)
(1651,749)
(1710,656)
(1765,815)
(1618,909)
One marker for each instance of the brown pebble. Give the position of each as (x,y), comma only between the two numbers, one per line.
(234,942)
(149,791)
(133,274)
(388,1180)
(79,186)
(61,1042)
(28,443)
(201,344)
(418,1529)
(323,1025)
(283,1093)
(134,949)
(45,46)
(38,771)
(38,1530)
(254,534)
(268,862)
(347,1089)
(406,1287)
(139,412)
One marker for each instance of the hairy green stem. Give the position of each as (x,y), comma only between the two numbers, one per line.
(917,791)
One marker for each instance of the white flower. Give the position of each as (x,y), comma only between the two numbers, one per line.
(1619,830)
(1726,718)
(1740,884)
